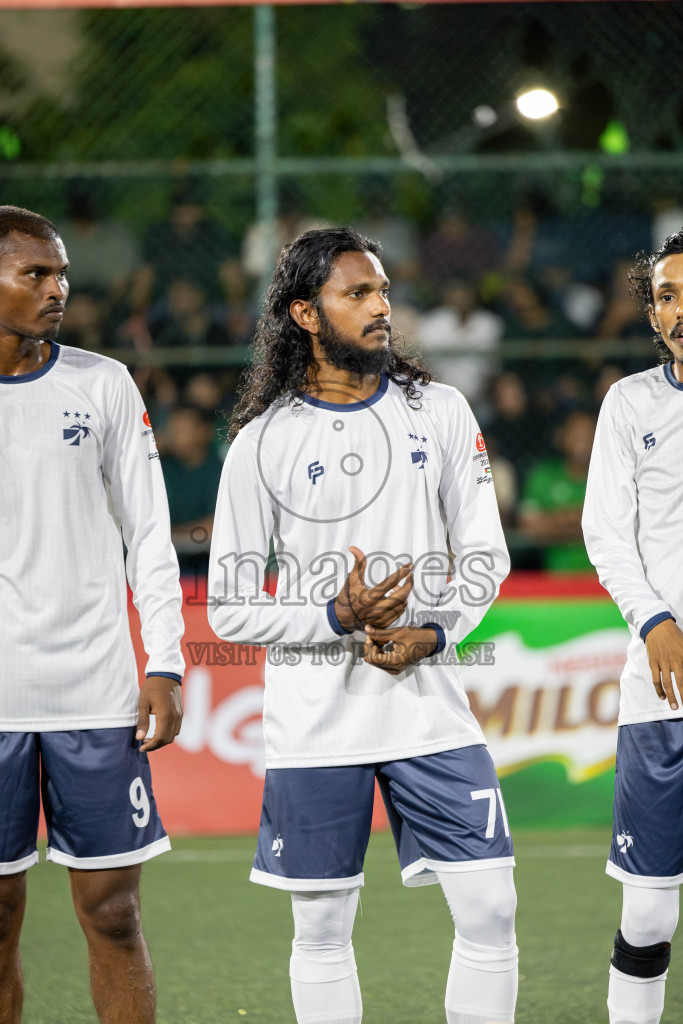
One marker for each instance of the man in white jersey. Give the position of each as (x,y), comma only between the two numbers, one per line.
(343,447)
(633,501)
(80,478)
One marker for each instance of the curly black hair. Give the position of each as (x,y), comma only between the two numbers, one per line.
(283,350)
(640,279)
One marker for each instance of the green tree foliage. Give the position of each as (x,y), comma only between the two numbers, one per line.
(160,84)
(179,85)
(331,93)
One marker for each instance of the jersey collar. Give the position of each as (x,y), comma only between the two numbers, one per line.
(23,378)
(671,376)
(351,406)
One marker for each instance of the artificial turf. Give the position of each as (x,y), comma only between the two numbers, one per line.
(221,945)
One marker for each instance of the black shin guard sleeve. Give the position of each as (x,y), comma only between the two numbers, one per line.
(640,961)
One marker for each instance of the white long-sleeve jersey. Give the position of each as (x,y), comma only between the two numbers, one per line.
(79,477)
(400,484)
(634,499)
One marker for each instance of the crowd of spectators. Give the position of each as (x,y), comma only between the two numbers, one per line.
(479,304)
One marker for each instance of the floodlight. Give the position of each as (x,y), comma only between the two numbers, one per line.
(536,104)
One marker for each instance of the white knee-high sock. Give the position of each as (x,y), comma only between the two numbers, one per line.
(635,1000)
(649,916)
(322,969)
(482,980)
(482,984)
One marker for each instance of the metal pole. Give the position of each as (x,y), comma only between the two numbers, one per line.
(266,136)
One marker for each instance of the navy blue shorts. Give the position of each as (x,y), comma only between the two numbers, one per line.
(97,799)
(647,834)
(446,813)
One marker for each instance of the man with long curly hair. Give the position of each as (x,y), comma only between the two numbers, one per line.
(633,502)
(343,445)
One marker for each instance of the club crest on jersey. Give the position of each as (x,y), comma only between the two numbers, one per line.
(418,457)
(77,430)
(650,441)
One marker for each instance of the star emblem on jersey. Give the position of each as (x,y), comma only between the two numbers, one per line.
(624,841)
(278,844)
(77,430)
(650,441)
(418,457)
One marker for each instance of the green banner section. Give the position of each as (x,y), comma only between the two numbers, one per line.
(542,677)
(552,621)
(543,796)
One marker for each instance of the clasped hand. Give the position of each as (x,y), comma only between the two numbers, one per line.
(373,609)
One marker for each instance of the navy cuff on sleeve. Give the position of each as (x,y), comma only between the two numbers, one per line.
(165,675)
(654,621)
(334,621)
(440,637)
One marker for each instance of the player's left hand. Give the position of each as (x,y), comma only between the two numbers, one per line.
(161,697)
(409,644)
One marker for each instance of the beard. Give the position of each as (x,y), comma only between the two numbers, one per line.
(347,355)
(31,337)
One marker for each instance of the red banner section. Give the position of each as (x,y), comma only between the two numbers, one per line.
(536,585)
(210,780)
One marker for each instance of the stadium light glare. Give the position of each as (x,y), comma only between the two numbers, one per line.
(537,104)
(485,116)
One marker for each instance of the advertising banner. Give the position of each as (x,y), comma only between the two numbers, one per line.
(549,704)
(542,676)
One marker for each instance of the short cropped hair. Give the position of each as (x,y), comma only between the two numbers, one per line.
(14,219)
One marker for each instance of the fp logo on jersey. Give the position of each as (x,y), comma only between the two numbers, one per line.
(314,471)
(650,441)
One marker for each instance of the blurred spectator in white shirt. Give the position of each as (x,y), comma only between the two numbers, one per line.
(461,340)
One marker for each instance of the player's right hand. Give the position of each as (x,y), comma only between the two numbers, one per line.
(664,646)
(357,605)
(159,696)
